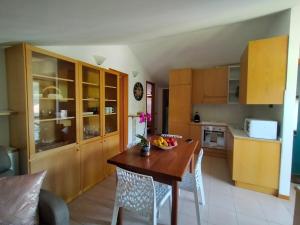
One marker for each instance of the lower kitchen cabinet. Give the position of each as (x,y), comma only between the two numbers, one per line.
(111,147)
(92,164)
(63,172)
(256,164)
(179,128)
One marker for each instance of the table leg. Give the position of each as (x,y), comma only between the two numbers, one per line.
(174,203)
(120,216)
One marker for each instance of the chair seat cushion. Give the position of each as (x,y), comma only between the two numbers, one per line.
(19,198)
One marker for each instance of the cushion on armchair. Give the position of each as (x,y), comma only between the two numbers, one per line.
(19,198)
(5,162)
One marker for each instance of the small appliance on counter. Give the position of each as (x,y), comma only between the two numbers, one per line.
(197,118)
(264,129)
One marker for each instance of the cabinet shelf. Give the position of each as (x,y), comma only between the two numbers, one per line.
(109,114)
(91,99)
(6,112)
(45,77)
(108,86)
(110,100)
(57,99)
(54,119)
(90,84)
(91,115)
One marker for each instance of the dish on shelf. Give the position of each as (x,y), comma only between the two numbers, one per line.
(87,113)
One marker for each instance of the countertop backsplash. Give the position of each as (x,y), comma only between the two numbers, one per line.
(235,114)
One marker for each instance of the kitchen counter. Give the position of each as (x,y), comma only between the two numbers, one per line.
(209,123)
(236,132)
(239,133)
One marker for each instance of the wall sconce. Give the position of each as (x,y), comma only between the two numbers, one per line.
(99,59)
(135,73)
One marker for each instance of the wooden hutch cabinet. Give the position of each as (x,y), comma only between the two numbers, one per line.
(68,118)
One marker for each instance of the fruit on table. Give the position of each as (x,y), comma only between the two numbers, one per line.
(165,142)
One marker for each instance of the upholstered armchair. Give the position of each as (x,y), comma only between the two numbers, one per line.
(52,209)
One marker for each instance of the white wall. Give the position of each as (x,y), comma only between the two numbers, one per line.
(289,102)
(118,57)
(4,123)
(235,114)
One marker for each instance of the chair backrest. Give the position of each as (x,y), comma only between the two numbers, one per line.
(135,192)
(5,162)
(198,171)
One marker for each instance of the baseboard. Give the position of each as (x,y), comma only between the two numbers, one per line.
(285,197)
(266,190)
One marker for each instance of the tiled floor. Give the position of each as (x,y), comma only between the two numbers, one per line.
(226,204)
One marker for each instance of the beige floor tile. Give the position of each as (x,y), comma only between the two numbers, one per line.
(250,220)
(226,204)
(249,207)
(221,216)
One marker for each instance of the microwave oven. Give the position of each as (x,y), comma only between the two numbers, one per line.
(264,129)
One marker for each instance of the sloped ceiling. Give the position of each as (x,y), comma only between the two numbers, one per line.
(214,46)
(69,22)
(162,34)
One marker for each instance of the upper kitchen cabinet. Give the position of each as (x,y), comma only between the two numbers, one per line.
(180,77)
(263,71)
(210,86)
(180,101)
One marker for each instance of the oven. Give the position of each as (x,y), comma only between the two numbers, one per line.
(213,137)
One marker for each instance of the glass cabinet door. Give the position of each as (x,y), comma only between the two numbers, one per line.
(90,102)
(111,103)
(54,111)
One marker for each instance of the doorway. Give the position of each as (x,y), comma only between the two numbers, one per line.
(296,144)
(150,103)
(165,111)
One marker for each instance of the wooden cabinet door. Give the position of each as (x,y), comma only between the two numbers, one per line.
(92,165)
(179,109)
(111,147)
(256,162)
(180,77)
(179,128)
(263,68)
(63,172)
(215,85)
(195,134)
(210,85)
(198,86)
(180,103)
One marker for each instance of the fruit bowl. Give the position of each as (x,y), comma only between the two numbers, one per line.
(166,147)
(165,143)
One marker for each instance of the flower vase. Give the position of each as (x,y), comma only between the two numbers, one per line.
(145,150)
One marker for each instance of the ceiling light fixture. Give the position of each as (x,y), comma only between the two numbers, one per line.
(135,73)
(99,59)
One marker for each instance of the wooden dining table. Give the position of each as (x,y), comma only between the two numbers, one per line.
(165,166)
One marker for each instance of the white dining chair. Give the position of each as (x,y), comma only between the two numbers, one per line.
(140,194)
(193,182)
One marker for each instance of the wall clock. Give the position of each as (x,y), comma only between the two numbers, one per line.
(138,91)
